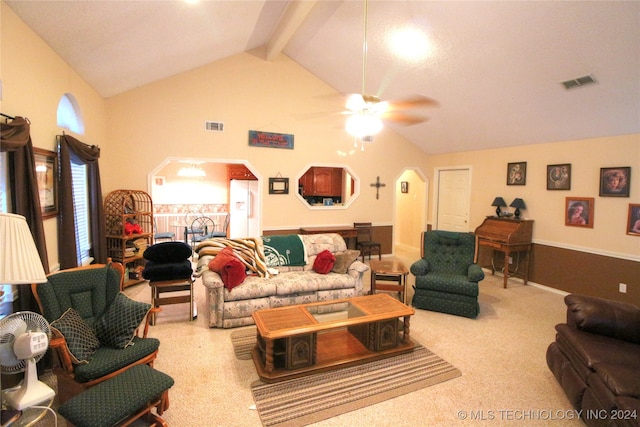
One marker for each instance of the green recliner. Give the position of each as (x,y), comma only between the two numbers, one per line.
(446,276)
(97,331)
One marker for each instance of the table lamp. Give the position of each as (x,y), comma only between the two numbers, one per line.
(518,204)
(19,265)
(499,202)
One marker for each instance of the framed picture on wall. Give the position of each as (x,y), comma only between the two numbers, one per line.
(633,222)
(46,173)
(517,173)
(404,186)
(278,185)
(579,211)
(614,182)
(559,177)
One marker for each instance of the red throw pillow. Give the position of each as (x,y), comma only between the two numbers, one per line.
(231,270)
(324,262)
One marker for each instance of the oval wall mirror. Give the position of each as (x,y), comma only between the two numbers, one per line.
(327,186)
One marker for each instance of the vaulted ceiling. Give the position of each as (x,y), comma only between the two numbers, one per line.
(495,67)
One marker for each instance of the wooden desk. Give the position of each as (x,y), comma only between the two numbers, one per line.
(509,236)
(348,233)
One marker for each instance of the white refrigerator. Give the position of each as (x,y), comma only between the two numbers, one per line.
(243,209)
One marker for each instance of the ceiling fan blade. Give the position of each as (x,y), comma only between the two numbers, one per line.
(403,118)
(415,101)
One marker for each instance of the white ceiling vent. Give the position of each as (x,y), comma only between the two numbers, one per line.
(578,82)
(213,126)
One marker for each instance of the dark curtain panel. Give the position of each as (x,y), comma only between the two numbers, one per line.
(16,141)
(70,149)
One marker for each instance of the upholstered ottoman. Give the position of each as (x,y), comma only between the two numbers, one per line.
(125,397)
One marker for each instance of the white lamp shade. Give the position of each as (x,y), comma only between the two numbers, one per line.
(19,259)
(363,124)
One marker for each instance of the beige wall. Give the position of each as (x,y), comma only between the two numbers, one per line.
(547,208)
(34,79)
(166,119)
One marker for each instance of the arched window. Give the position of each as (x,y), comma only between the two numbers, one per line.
(69,115)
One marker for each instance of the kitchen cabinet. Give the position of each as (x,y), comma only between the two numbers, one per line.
(322,181)
(240,171)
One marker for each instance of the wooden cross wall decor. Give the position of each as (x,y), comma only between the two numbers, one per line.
(378,184)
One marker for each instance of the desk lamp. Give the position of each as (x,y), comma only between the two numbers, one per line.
(518,204)
(499,202)
(19,265)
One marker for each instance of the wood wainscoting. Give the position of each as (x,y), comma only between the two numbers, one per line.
(580,272)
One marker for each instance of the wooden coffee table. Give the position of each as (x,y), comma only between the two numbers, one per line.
(302,339)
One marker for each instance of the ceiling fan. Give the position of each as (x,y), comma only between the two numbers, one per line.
(366,112)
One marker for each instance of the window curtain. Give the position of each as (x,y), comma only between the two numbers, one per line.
(15,139)
(72,149)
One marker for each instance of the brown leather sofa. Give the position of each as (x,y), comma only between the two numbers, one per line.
(596,360)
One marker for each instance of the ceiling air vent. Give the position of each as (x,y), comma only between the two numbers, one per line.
(580,81)
(214,126)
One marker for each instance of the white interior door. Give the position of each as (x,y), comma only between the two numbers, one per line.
(453,199)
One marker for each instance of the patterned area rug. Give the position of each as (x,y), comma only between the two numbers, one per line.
(243,341)
(316,397)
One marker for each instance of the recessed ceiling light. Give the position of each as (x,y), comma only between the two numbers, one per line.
(411,44)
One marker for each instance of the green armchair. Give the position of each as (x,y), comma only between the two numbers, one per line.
(446,276)
(97,331)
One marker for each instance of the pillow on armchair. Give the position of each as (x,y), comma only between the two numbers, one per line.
(117,326)
(78,335)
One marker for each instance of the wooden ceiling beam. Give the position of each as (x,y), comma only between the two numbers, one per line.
(288,24)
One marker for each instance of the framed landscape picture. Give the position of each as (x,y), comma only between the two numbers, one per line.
(614,182)
(579,211)
(517,173)
(633,221)
(559,177)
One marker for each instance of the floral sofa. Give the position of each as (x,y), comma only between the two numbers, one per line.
(272,281)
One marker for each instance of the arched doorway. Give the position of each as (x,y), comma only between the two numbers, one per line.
(410,210)
(207,192)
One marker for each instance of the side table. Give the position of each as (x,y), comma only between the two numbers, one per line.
(162,286)
(389,271)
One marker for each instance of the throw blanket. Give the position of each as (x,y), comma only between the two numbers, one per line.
(284,250)
(249,251)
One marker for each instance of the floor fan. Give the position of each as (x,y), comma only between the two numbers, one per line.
(24,339)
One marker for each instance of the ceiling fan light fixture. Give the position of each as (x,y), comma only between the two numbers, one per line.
(363,124)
